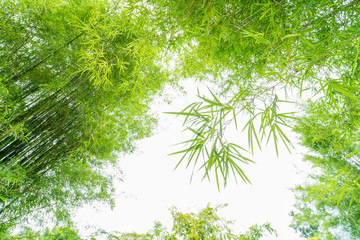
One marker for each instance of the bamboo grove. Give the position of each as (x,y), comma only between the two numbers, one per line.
(75,90)
(77,78)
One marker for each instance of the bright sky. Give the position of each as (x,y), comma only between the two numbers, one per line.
(151,187)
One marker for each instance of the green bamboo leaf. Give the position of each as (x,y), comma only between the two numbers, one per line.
(241,173)
(215,98)
(250,140)
(357,56)
(308,6)
(241,158)
(217,179)
(212,103)
(291,35)
(344,189)
(197,133)
(256,137)
(287,115)
(342,89)
(284,138)
(181,151)
(275,139)
(304,40)
(233,172)
(220,122)
(235,119)
(352,200)
(234,146)
(353,153)
(263,15)
(196,149)
(182,113)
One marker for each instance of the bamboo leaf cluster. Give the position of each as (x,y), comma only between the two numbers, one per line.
(209,119)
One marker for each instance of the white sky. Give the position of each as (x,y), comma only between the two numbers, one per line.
(151,187)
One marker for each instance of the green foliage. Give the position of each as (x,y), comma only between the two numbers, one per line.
(61,233)
(186,226)
(76,81)
(328,206)
(77,77)
(260,53)
(192,226)
(209,119)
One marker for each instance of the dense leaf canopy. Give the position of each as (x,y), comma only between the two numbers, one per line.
(77,78)
(328,205)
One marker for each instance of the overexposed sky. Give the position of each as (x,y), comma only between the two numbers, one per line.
(151,186)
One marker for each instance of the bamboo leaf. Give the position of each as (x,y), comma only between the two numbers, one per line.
(344,189)
(353,153)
